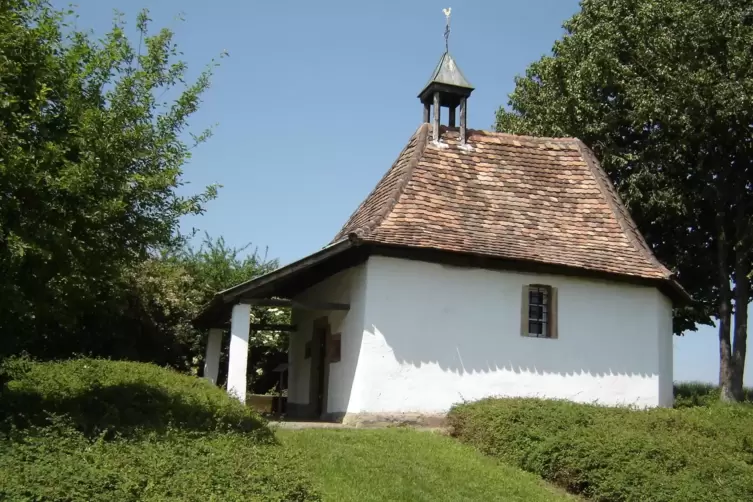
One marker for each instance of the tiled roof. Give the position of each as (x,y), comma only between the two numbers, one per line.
(535,199)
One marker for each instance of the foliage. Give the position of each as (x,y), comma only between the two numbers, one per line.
(61,465)
(167,292)
(690,394)
(94,430)
(117,397)
(660,90)
(91,261)
(91,154)
(618,454)
(216,267)
(171,291)
(399,464)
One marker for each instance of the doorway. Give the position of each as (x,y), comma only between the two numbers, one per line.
(319,377)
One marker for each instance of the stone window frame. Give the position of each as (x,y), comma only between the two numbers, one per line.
(549,307)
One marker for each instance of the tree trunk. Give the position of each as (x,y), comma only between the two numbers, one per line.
(725,346)
(739,348)
(742,294)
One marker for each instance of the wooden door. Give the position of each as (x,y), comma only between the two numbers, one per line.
(318,375)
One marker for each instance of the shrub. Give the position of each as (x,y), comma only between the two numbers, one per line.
(95,430)
(57,463)
(120,397)
(618,454)
(689,394)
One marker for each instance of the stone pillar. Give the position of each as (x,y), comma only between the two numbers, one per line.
(212,359)
(238,355)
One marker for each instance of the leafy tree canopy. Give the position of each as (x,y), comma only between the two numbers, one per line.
(91,156)
(661,90)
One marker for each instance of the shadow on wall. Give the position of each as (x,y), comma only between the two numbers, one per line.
(468,321)
(350,325)
(347,286)
(456,346)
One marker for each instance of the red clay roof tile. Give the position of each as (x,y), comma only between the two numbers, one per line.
(538,199)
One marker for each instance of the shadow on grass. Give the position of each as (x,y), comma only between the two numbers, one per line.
(126,410)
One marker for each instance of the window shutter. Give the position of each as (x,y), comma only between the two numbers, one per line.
(553,313)
(524,311)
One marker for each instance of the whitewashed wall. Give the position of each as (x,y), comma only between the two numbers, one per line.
(666,352)
(435,335)
(347,286)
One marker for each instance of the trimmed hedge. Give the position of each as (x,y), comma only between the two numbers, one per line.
(618,454)
(93,430)
(61,464)
(120,397)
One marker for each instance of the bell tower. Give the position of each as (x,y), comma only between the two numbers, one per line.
(447,87)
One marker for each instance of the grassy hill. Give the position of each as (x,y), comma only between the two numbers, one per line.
(400,464)
(93,430)
(102,431)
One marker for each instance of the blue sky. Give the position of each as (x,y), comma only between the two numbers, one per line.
(317,99)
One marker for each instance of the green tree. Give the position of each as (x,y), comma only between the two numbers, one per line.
(661,91)
(91,153)
(164,293)
(214,266)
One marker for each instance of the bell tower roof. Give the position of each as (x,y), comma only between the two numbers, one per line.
(448,78)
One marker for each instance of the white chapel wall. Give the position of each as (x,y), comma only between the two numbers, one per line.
(666,352)
(347,286)
(435,335)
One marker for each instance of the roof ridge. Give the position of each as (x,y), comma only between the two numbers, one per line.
(626,222)
(362,232)
(484,132)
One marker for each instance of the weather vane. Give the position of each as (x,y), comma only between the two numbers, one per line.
(447,13)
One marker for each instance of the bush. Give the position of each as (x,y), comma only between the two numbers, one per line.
(617,454)
(94,430)
(58,463)
(689,394)
(118,397)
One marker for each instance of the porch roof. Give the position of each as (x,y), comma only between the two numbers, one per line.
(274,288)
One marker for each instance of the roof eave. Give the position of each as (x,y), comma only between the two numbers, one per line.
(674,290)
(232,295)
(462,90)
(667,285)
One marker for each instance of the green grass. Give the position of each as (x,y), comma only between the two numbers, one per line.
(407,465)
